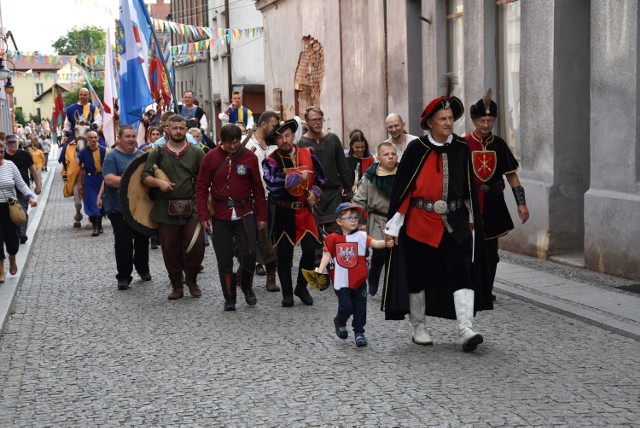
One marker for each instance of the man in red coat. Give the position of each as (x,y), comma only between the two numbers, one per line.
(230,178)
(432,211)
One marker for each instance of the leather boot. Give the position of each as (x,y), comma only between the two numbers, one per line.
(190,276)
(176,283)
(100,229)
(287,289)
(271,277)
(464,303)
(94,222)
(246,285)
(302,292)
(374,278)
(2,278)
(228,283)
(417,318)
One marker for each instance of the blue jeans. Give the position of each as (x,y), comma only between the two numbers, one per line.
(353,301)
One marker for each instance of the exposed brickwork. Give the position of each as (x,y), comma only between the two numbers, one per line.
(309,73)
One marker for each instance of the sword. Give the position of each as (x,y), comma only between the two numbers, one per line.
(194,238)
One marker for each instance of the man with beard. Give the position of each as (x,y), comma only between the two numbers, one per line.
(328,149)
(397,134)
(433,209)
(179,230)
(294,177)
(258,145)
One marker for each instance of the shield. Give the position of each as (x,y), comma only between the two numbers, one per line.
(135,203)
(318,281)
(347,254)
(484,164)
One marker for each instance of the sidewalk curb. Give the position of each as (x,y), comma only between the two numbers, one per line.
(590,315)
(9,290)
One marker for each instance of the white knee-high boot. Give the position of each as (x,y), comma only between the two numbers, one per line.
(463,300)
(417,305)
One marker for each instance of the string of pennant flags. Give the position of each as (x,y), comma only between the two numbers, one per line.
(210,35)
(88,60)
(215,36)
(68,77)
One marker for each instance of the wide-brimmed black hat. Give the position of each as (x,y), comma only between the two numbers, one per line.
(441,103)
(484,107)
(280,127)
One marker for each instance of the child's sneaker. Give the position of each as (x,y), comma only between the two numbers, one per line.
(361,340)
(341,331)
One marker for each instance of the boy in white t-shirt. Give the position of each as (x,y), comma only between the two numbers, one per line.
(344,253)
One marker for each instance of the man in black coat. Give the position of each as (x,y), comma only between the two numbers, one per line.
(431,218)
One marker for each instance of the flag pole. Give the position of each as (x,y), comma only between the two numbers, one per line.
(164,63)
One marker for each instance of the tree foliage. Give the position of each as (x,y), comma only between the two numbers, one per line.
(19,115)
(88,40)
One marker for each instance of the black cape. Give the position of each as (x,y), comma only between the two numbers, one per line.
(395,299)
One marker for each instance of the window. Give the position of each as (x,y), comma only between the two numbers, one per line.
(39,89)
(509,72)
(455,35)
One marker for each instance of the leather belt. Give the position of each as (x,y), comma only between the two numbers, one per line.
(496,188)
(91,174)
(231,203)
(439,207)
(292,205)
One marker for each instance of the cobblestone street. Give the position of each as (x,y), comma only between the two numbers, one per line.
(78,352)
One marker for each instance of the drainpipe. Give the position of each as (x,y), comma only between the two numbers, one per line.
(227,20)
(386,61)
(341,79)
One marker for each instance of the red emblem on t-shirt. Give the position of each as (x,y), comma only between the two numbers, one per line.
(484,164)
(347,254)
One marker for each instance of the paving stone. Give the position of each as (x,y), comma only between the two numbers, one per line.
(78,352)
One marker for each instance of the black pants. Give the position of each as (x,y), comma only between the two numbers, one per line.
(285,260)
(8,233)
(244,231)
(131,247)
(449,265)
(491,246)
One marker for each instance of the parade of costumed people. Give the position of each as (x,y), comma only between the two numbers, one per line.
(492,159)
(434,219)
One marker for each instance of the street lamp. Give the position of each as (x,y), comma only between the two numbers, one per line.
(5,73)
(8,87)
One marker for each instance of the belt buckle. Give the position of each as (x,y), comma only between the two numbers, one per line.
(296,205)
(230,203)
(440,207)
(484,188)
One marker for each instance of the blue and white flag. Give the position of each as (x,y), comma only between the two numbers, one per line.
(134,61)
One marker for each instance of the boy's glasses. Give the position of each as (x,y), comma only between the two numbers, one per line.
(350,218)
